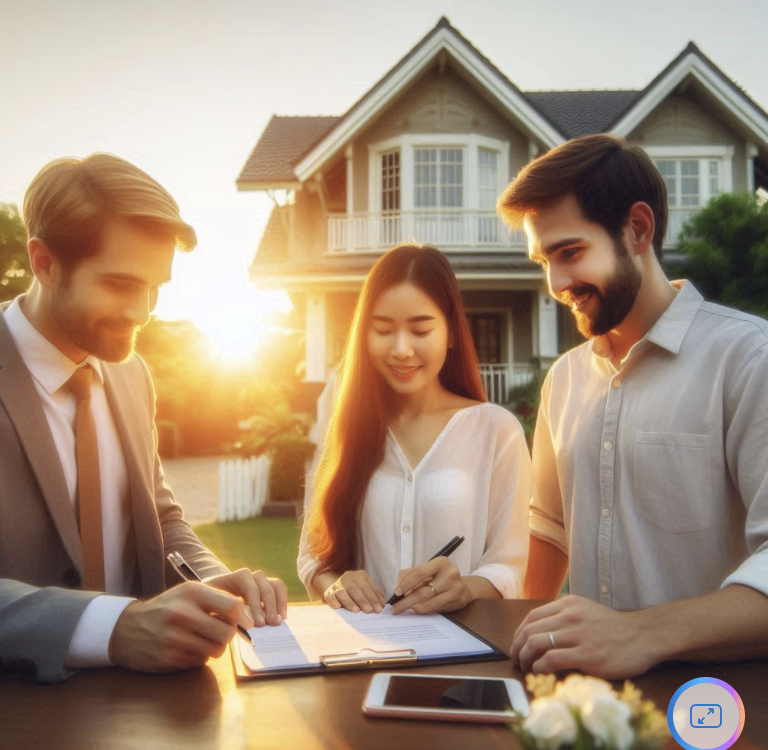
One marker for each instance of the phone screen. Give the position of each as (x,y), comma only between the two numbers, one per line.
(449,692)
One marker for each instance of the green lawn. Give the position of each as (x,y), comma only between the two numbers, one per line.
(269,544)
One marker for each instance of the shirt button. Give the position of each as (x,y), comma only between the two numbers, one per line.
(604,589)
(410,477)
(607,445)
(406,528)
(606,512)
(616,384)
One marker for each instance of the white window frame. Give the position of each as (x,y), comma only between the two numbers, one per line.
(470,143)
(703,154)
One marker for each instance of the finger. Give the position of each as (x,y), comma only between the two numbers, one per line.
(281,596)
(418,597)
(535,648)
(410,578)
(331,599)
(359,593)
(346,601)
(267,600)
(557,660)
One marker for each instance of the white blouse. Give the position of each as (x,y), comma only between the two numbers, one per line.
(474,481)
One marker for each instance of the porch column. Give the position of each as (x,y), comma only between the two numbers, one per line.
(350,222)
(315,349)
(546,334)
(751,154)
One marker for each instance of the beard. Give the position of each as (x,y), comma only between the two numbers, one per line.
(614,301)
(108,339)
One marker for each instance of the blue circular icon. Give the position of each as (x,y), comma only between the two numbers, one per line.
(706,714)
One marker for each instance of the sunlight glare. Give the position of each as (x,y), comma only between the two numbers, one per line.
(235,317)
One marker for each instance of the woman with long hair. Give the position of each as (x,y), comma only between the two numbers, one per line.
(414,455)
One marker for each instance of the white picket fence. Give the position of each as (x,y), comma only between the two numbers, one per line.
(243,487)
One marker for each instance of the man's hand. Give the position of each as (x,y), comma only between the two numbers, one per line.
(588,636)
(179,629)
(267,598)
(437,586)
(355,590)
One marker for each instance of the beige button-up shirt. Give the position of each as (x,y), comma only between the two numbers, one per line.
(653,478)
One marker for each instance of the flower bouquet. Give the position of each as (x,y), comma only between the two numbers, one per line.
(584,713)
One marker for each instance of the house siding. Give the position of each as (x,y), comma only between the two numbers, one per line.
(683,121)
(436,103)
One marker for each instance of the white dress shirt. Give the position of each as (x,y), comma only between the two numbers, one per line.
(474,481)
(50,371)
(653,478)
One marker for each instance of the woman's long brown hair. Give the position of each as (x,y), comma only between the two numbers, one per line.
(354,443)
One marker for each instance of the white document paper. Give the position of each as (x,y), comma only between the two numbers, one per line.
(309,633)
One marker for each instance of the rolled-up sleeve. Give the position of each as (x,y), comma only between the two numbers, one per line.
(746,446)
(546,509)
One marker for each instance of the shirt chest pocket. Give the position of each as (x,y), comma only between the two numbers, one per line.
(672,481)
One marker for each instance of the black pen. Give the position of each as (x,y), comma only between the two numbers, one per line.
(449,549)
(184,569)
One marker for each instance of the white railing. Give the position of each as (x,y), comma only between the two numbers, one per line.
(677,217)
(243,487)
(499,380)
(444,228)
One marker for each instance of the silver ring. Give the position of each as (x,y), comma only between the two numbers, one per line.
(434,590)
(552,640)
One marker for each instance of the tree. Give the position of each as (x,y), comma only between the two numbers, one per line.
(726,252)
(15,274)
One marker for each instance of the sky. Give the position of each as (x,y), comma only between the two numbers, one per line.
(184,88)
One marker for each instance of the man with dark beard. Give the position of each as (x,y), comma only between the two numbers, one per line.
(86,518)
(650,454)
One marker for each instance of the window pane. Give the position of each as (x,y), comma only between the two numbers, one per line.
(668,170)
(390,181)
(714,179)
(689,182)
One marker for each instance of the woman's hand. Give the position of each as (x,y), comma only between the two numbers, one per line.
(436,586)
(355,591)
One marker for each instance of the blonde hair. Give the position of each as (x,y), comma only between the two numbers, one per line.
(70,200)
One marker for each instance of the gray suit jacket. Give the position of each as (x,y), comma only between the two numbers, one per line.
(41,596)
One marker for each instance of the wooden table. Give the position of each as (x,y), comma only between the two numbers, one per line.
(205,708)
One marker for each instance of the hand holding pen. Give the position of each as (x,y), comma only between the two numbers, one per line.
(266,599)
(435,586)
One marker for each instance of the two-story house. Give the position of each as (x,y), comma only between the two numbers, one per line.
(425,153)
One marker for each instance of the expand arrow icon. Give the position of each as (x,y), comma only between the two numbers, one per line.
(711,711)
(701,720)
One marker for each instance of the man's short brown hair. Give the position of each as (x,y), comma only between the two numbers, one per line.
(70,200)
(605,174)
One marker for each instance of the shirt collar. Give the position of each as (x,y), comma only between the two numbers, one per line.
(669,330)
(49,366)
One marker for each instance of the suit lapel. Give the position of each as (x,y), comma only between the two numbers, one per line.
(147,532)
(22,404)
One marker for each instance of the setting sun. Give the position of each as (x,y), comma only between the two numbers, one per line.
(233,315)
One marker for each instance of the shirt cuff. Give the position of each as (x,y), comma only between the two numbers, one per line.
(548,530)
(89,646)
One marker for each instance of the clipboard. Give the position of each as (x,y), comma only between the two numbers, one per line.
(365,658)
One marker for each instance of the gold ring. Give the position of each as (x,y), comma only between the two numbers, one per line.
(434,590)
(552,640)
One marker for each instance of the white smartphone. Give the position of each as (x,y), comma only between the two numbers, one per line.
(445,697)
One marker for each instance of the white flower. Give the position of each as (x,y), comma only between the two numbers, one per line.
(577,690)
(550,723)
(607,719)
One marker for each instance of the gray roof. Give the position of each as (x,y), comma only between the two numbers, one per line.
(576,113)
(282,144)
(286,140)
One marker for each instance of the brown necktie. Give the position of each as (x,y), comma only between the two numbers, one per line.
(88,487)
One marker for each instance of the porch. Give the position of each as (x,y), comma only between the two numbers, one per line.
(499,380)
(445,228)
